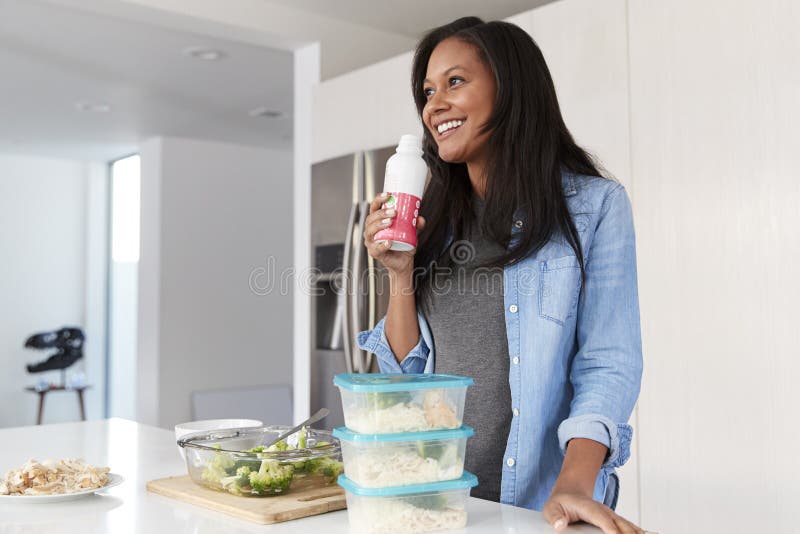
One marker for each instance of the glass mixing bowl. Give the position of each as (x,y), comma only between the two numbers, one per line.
(233,460)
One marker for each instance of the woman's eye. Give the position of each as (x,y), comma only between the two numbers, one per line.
(428,92)
(455,80)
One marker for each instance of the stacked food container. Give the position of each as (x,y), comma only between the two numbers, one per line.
(403,451)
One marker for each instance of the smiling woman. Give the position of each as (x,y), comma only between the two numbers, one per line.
(524,279)
(460,92)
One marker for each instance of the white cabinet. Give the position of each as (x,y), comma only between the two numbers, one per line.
(715,129)
(365,109)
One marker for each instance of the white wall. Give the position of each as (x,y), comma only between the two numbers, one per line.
(52,236)
(306,76)
(211,214)
(96,289)
(715,129)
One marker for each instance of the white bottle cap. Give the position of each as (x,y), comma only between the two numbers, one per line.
(411,143)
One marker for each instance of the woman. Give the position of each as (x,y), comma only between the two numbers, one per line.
(524,279)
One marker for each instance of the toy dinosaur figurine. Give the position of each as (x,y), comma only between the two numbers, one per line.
(69,344)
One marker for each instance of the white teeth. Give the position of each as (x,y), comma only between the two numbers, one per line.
(448,125)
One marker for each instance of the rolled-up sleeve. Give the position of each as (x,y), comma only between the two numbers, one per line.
(606,371)
(375,341)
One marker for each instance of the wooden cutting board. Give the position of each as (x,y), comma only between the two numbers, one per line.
(262,510)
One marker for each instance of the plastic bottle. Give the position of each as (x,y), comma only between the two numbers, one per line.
(404,182)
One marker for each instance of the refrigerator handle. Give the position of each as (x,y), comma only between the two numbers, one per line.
(344,300)
(356,295)
(372,296)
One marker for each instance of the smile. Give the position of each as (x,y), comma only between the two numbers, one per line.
(448,127)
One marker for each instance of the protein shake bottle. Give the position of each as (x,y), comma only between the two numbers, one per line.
(404,182)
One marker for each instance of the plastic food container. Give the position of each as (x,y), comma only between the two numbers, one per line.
(385,460)
(224,460)
(414,508)
(377,403)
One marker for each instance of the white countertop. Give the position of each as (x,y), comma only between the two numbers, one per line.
(141,453)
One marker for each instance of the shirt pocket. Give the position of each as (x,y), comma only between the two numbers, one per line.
(559,287)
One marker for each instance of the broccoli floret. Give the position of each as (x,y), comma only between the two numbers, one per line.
(243,475)
(299,466)
(231,484)
(216,469)
(325,466)
(301,438)
(333,470)
(278,446)
(237,482)
(254,465)
(433,450)
(381,401)
(431,501)
(271,478)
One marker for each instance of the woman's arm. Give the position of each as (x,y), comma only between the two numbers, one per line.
(605,372)
(571,499)
(396,339)
(581,467)
(402,328)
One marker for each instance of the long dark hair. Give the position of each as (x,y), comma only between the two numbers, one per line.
(529,145)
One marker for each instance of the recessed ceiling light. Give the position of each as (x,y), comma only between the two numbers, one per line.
(263,111)
(203,53)
(94,107)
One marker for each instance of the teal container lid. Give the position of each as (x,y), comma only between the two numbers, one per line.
(346,434)
(467,480)
(389,382)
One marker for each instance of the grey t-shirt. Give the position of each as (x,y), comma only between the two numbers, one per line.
(466,315)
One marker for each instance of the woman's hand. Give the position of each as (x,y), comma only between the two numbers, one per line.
(565,507)
(398,262)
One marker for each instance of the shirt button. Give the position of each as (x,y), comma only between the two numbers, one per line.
(518,223)
(516,412)
(515,359)
(510,462)
(513,308)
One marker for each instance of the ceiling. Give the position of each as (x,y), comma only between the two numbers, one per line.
(411,17)
(128,54)
(52,57)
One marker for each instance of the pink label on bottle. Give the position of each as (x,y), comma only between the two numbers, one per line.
(404,225)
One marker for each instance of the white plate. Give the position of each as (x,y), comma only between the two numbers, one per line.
(113,480)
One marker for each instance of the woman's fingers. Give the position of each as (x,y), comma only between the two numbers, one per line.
(626,527)
(602,517)
(376,221)
(375,225)
(377,202)
(564,508)
(420,222)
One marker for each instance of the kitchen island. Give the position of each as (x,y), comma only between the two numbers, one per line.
(141,453)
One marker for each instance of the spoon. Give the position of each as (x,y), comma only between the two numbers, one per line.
(319,414)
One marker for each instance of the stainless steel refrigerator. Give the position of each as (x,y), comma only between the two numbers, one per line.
(350,292)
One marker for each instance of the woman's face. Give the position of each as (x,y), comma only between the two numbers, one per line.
(460,91)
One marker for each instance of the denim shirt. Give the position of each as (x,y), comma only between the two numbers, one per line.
(575,356)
